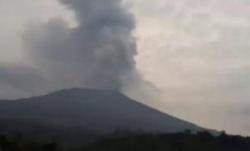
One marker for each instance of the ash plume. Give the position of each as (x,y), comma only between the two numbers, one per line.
(98,53)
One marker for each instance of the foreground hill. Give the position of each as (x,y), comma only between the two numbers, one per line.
(202,141)
(101,111)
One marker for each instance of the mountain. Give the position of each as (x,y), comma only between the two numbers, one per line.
(103,111)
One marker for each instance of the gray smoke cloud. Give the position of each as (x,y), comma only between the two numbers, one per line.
(98,53)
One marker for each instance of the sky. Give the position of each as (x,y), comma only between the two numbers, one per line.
(192,56)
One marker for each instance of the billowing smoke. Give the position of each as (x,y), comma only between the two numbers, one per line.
(97,53)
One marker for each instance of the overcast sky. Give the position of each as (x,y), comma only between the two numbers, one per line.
(195,52)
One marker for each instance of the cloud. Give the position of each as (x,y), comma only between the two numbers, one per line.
(197,53)
(15,15)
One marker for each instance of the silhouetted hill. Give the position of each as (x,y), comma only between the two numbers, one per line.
(103,111)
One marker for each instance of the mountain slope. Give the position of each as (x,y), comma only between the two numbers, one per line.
(91,110)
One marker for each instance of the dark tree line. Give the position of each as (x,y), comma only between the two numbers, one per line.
(202,141)
(187,141)
(13,143)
